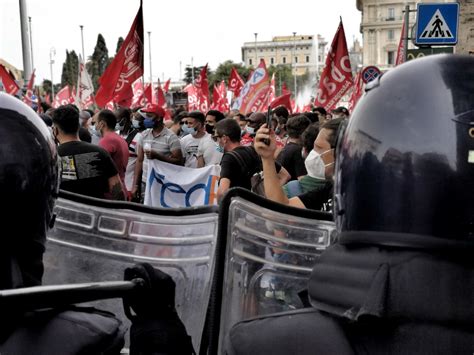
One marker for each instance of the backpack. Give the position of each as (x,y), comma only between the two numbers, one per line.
(256,177)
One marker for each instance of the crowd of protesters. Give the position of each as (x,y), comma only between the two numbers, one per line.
(105,154)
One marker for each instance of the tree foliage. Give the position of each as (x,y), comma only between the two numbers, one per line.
(223,72)
(70,69)
(119,44)
(98,61)
(188,73)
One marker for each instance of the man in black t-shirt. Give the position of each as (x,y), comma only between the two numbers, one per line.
(290,157)
(238,163)
(86,169)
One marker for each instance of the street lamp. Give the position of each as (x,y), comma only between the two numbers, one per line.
(255,49)
(82,41)
(52,53)
(294,61)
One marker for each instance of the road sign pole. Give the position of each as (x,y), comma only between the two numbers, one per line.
(407,26)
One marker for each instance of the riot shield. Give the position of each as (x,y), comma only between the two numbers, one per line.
(95,240)
(269,254)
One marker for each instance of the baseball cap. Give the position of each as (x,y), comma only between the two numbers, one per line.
(157,110)
(84,115)
(341,109)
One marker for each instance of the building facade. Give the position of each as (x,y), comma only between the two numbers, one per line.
(304,53)
(381,27)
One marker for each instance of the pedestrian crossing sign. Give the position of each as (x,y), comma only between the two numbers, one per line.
(437,24)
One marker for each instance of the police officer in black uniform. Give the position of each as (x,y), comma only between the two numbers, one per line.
(400,279)
(28,189)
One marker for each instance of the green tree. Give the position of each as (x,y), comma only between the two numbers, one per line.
(46,86)
(98,61)
(223,72)
(119,44)
(282,75)
(70,69)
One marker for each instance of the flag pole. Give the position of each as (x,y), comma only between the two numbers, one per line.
(406,26)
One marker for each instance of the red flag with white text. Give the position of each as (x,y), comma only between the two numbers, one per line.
(254,94)
(9,83)
(193,103)
(272,94)
(336,77)
(202,90)
(140,98)
(127,66)
(63,97)
(28,98)
(235,82)
(219,98)
(401,47)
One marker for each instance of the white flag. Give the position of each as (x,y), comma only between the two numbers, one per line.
(171,185)
(85,89)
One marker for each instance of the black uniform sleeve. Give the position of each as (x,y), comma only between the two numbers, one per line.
(108,164)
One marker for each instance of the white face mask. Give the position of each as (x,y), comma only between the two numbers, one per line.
(250,130)
(315,165)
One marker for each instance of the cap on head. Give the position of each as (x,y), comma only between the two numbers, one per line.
(157,110)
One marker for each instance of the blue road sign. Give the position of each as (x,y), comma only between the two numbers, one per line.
(437,24)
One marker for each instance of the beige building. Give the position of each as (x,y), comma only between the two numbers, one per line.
(381,27)
(299,51)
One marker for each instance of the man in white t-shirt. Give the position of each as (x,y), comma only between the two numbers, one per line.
(194,125)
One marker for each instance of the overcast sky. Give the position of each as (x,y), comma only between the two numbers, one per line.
(209,31)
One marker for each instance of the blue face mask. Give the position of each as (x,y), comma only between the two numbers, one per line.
(135,123)
(148,122)
(219,148)
(189,130)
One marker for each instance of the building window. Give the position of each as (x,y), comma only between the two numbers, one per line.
(391,35)
(320,59)
(261,50)
(391,14)
(307,47)
(284,49)
(250,61)
(310,37)
(296,59)
(284,60)
(307,59)
(272,61)
(391,57)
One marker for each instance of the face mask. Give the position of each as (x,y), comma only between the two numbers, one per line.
(119,127)
(250,130)
(135,123)
(242,132)
(209,129)
(148,122)
(219,148)
(277,131)
(315,165)
(95,131)
(189,130)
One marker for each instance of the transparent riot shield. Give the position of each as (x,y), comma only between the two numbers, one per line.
(95,240)
(269,254)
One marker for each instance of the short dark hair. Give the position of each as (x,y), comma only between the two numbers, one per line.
(217,114)
(240,117)
(296,125)
(313,116)
(182,114)
(309,136)
(230,128)
(281,111)
(333,125)
(320,110)
(197,115)
(66,118)
(108,117)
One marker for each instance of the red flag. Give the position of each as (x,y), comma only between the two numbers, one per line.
(284,89)
(235,82)
(8,82)
(219,98)
(125,98)
(161,97)
(272,93)
(38,97)
(202,87)
(63,97)
(336,78)
(166,87)
(283,100)
(254,94)
(126,67)
(28,98)
(193,103)
(357,91)
(401,47)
